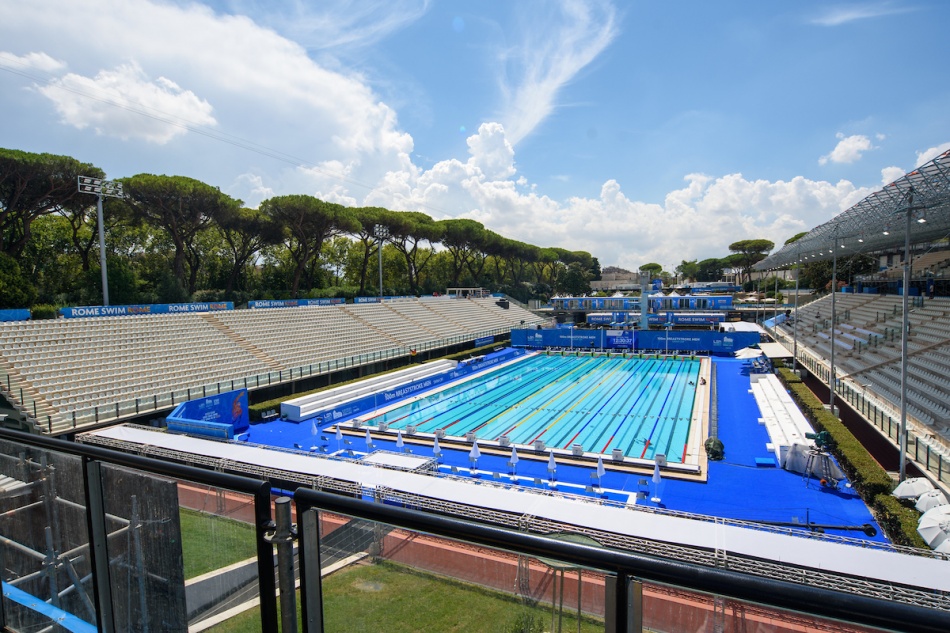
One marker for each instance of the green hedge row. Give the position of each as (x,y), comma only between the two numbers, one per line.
(256,411)
(898,521)
(867,476)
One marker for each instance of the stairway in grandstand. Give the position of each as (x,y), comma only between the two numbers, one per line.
(66,374)
(240,340)
(867,344)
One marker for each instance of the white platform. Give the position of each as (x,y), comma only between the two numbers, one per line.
(878,564)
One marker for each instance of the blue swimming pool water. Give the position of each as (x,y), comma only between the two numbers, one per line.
(641,406)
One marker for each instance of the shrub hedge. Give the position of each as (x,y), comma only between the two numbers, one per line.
(867,476)
(43,311)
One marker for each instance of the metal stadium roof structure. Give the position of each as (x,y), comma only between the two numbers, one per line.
(879,221)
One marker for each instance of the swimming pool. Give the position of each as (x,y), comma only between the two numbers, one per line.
(642,406)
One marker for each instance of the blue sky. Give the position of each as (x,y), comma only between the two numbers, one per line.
(639,131)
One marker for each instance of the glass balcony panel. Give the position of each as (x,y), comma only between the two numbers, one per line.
(180,552)
(380,578)
(45,546)
(670,609)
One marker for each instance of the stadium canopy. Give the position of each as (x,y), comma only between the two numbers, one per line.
(879,221)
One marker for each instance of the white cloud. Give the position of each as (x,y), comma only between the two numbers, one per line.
(848,150)
(838,15)
(890,174)
(124,103)
(558,44)
(31,61)
(491,152)
(697,221)
(931,153)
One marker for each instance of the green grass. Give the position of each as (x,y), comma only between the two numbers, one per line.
(210,542)
(397,599)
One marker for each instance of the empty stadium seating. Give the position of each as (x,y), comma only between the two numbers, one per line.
(70,373)
(867,341)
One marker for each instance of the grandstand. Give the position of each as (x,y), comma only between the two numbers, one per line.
(864,334)
(866,339)
(67,374)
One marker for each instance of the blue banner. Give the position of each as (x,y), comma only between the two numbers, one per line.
(15,315)
(155,308)
(359,406)
(696,340)
(222,415)
(675,340)
(485,340)
(291,303)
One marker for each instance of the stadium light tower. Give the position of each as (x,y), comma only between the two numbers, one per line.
(381,233)
(101,188)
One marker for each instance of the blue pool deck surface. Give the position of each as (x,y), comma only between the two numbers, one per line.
(745,485)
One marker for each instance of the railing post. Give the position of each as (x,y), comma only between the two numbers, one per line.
(284,536)
(98,545)
(265,559)
(311,588)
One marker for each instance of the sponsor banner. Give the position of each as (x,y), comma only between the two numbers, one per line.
(359,406)
(696,340)
(222,415)
(291,303)
(485,340)
(684,340)
(15,315)
(559,337)
(155,308)
(366,300)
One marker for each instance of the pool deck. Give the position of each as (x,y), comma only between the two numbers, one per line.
(746,485)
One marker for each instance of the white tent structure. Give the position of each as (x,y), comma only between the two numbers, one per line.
(912,488)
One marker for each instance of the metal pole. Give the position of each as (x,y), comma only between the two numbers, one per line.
(379,250)
(102,252)
(905,330)
(284,538)
(775,298)
(834,293)
(798,274)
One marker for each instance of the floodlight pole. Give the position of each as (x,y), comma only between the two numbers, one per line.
(905,331)
(381,233)
(101,188)
(834,293)
(798,274)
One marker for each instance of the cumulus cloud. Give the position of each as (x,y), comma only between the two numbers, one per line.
(848,150)
(890,174)
(31,61)
(558,44)
(697,221)
(126,104)
(931,153)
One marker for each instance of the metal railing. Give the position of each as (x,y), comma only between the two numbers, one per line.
(94,459)
(629,569)
(881,414)
(65,421)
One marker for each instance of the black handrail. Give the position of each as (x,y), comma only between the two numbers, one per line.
(780,594)
(260,489)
